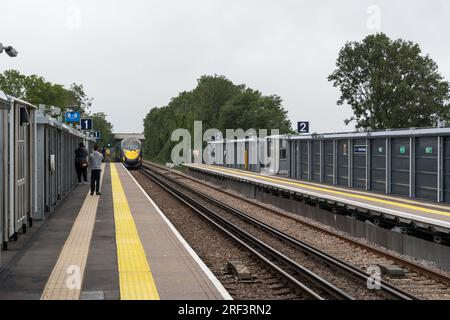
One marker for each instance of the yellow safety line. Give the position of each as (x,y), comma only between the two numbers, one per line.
(135,278)
(66,278)
(393,203)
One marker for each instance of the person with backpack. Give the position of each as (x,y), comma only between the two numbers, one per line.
(81,162)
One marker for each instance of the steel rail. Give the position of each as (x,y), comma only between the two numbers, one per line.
(406,263)
(304,247)
(237,233)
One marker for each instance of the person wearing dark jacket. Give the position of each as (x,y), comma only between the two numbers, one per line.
(104,154)
(81,162)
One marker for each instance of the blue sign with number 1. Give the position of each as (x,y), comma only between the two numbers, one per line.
(86,124)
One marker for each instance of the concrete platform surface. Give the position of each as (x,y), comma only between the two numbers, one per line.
(115,246)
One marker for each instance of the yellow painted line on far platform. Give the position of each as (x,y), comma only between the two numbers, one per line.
(342,193)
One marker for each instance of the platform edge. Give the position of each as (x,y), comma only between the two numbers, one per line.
(220,288)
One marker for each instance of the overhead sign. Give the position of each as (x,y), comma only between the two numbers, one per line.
(72,117)
(86,124)
(96,134)
(360,149)
(303,127)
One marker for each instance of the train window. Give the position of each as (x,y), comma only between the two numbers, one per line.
(283,154)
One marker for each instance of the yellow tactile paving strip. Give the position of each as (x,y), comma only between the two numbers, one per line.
(66,278)
(135,278)
(342,193)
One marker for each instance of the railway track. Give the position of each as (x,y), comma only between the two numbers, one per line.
(437,281)
(331,278)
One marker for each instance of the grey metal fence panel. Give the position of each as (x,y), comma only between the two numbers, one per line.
(426,167)
(359,163)
(291,158)
(298,160)
(283,157)
(53,173)
(225,155)
(315,157)
(22,174)
(3,174)
(400,163)
(304,160)
(378,162)
(342,163)
(446,167)
(59,164)
(40,174)
(328,161)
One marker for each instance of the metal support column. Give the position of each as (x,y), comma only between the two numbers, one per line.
(368,163)
(388,165)
(309,160)
(288,154)
(335,171)
(412,167)
(298,159)
(322,158)
(440,169)
(350,163)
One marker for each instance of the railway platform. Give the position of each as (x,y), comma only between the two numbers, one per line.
(406,210)
(415,228)
(115,246)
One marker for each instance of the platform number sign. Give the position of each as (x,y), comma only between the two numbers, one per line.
(303,127)
(72,117)
(96,134)
(86,124)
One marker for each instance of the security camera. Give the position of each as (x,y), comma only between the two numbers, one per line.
(10,51)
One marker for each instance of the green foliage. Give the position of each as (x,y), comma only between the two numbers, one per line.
(390,84)
(219,104)
(37,90)
(105,128)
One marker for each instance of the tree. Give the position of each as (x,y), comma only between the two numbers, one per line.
(104,126)
(218,103)
(36,90)
(12,82)
(77,98)
(390,84)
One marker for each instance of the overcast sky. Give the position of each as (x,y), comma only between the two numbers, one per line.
(134,55)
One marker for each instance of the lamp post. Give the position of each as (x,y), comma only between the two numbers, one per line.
(10,51)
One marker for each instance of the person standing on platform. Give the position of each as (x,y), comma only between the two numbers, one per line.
(81,162)
(95,162)
(104,153)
